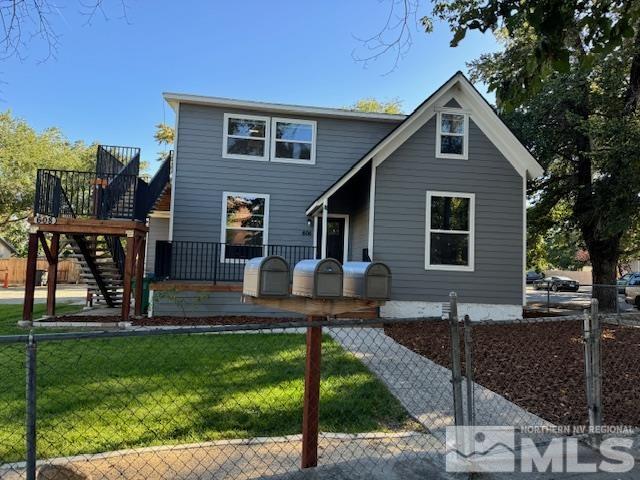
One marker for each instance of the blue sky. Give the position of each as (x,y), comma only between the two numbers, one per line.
(106,81)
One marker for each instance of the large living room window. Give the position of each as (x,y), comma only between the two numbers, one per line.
(293,140)
(244,226)
(245,137)
(452,139)
(450,231)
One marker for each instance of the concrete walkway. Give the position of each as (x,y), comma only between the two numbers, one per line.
(64,293)
(424,387)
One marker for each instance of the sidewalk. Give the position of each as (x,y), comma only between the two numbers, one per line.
(64,293)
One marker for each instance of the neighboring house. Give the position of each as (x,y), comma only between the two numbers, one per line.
(6,249)
(438,195)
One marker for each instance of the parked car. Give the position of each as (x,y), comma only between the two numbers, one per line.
(632,290)
(623,280)
(532,276)
(557,284)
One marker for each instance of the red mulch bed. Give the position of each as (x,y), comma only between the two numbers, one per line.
(540,366)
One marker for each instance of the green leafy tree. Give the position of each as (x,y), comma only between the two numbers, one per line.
(370,104)
(22,152)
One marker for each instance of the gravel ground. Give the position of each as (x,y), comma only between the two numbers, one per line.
(540,366)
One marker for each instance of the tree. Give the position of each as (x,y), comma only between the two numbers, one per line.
(26,21)
(164,134)
(22,152)
(370,104)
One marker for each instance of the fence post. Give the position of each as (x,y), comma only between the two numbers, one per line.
(31,407)
(592,362)
(311,408)
(456,370)
(468,365)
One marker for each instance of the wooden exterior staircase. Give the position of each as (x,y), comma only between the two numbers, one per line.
(96,210)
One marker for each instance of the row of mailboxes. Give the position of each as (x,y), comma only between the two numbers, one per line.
(326,278)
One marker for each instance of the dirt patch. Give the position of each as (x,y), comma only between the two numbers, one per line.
(214,320)
(540,366)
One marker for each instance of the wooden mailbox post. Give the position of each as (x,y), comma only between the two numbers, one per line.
(306,302)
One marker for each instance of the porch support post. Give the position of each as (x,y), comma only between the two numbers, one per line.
(311,408)
(52,274)
(129,264)
(141,248)
(30,280)
(325,218)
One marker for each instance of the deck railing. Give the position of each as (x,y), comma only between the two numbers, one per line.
(103,194)
(216,261)
(66,193)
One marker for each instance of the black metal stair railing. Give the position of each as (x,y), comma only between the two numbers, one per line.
(112,158)
(215,261)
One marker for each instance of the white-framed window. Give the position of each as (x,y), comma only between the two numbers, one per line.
(452,137)
(450,226)
(245,137)
(293,140)
(245,225)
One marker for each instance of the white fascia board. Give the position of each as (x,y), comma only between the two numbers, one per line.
(176,98)
(496,131)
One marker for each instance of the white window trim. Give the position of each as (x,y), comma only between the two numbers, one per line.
(314,126)
(223,224)
(472,220)
(225,137)
(465,135)
(316,224)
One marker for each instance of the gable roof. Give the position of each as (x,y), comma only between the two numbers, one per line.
(8,245)
(483,114)
(174,99)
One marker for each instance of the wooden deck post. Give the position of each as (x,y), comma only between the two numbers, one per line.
(30,281)
(129,264)
(52,274)
(139,275)
(311,409)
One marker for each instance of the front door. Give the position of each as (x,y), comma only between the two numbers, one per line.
(335,238)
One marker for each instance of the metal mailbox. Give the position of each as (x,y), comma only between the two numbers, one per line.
(367,280)
(266,277)
(318,278)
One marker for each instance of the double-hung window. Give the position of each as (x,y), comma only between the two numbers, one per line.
(245,225)
(450,231)
(293,140)
(452,139)
(245,137)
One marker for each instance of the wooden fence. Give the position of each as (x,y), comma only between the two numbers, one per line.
(68,270)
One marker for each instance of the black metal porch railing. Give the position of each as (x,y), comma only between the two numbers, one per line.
(64,193)
(102,194)
(215,261)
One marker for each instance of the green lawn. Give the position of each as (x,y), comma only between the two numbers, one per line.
(10,314)
(100,395)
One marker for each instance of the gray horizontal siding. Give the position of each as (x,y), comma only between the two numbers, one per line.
(208,304)
(202,174)
(399,234)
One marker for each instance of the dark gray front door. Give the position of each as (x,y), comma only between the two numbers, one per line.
(335,238)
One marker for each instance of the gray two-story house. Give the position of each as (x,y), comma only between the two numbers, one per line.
(438,195)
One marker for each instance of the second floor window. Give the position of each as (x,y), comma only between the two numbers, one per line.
(452,134)
(293,140)
(245,136)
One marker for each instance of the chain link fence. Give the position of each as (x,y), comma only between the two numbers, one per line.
(229,401)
